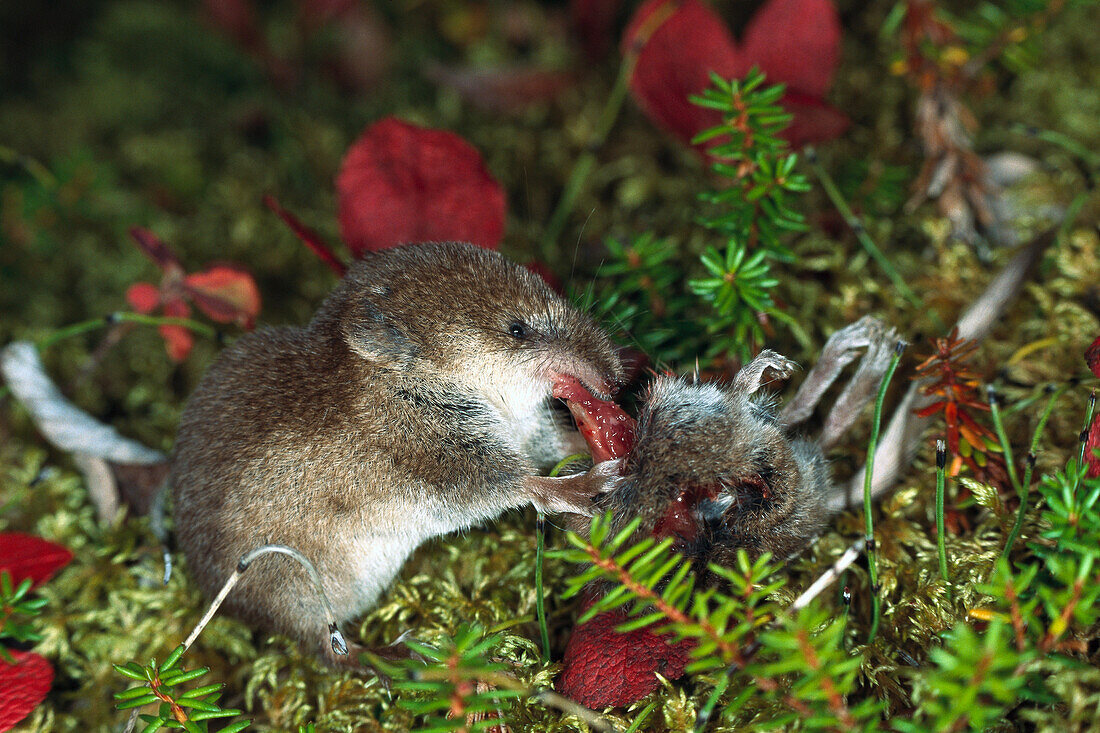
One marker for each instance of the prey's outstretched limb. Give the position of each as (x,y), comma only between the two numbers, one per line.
(882,341)
(840,350)
(754,375)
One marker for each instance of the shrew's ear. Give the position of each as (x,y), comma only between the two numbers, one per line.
(374,335)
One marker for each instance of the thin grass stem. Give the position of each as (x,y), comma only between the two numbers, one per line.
(868,520)
(998,425)
(941,532)
(83,327)
(540,553)
(868,244)
(1014,534)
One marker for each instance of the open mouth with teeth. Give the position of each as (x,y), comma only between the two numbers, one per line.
(608,430)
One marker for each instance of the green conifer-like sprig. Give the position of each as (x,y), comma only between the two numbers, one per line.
(750,214)
(744,640)
(17,609)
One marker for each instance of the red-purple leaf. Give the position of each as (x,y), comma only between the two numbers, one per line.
(1092,357)
(678,45)
(400,183)
(155,249)
(796,42)
(814,121)
(22,686)
(26,556)
(225,294)
(177,339)
(309,237)
(143,297)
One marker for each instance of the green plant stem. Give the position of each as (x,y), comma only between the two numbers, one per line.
(77,329)
(642,717)
(868,522)
(998,425)
(1085,428)
(540,552)
(941,532)
(864,238)
(540,597)
(582,169)
(38,171)
(1014,534)
(1089,159)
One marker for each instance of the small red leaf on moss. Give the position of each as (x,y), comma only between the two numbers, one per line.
(155,249)
(1092,442)
(26,556)
(1092,357)
(177,339)
(796,42)
(143,297)
(22,686)
(401,183)
(813,121)
(678,46)
(603,668)
(225,294)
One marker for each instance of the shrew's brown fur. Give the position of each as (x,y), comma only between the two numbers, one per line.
(414,404)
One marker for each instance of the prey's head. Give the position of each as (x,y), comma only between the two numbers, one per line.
(472,317)
(715,470)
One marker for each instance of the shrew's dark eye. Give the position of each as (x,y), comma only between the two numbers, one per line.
(518,329)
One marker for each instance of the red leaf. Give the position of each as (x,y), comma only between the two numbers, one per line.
(155,249)
(27,556)
(814,121)
(309,237)
(177,339)
(225,294)
(796,42)
(22,686)
(400,183)
(143,297)
(678,47)
(603,668)
(1092,357)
